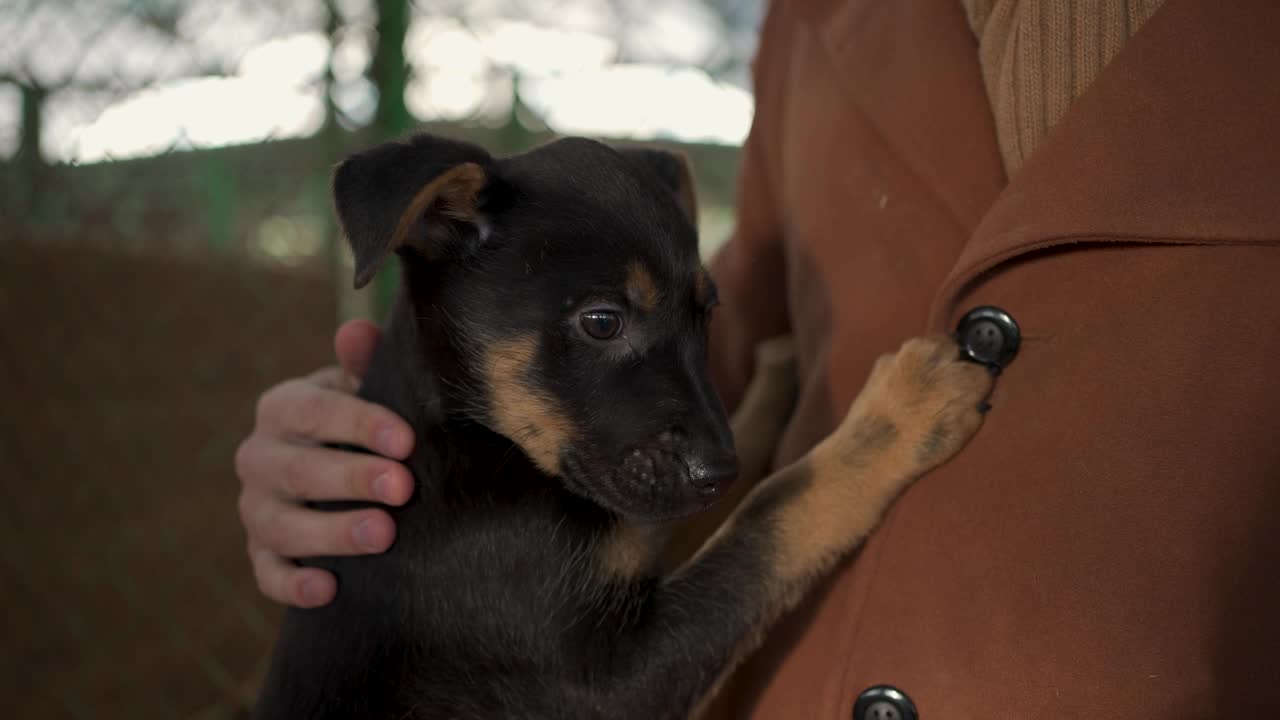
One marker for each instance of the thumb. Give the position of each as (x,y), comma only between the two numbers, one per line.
(354,344)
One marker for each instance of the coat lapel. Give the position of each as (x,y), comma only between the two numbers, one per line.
(1175,142)
(924,98)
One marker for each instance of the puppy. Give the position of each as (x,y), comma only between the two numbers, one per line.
(549,348)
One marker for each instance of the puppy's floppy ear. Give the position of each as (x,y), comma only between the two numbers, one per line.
(672,168)
(424,194)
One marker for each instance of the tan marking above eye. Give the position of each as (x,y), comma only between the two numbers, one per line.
(641,288)
(521,410)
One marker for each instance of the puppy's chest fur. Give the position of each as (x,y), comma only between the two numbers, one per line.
(484,605)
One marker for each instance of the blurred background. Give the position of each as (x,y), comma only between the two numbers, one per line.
(167,252)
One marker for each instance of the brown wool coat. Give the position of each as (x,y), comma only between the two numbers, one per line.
(1109,543)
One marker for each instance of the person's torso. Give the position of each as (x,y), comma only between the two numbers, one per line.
(1107,544)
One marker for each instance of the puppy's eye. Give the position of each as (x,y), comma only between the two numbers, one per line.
(601,324)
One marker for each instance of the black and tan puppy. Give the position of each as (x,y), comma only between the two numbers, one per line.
(549,346)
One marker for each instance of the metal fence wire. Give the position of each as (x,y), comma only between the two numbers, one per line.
(167,251)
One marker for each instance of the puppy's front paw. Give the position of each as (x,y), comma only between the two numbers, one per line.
(919,407)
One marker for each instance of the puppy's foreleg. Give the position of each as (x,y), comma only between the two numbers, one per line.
(919,407)
(757,425)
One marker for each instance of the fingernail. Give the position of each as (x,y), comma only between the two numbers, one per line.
(388,442)
(366,536)
(382,488)
(310,592)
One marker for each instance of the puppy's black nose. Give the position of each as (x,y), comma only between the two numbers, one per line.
(712,474)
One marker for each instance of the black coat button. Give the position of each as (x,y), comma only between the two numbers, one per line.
(884,702)
(989,335)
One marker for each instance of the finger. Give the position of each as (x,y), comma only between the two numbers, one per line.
(335,378)
(308,472)
(290,530)
(354,344)
(289,584)
(302,409)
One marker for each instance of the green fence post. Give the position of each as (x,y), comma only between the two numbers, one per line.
(390,72)
(221,200)
(30,160)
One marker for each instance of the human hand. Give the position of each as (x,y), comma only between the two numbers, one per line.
(282,463)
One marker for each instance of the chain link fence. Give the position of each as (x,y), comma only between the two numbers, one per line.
(167,251)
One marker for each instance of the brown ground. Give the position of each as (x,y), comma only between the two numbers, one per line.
(125,385)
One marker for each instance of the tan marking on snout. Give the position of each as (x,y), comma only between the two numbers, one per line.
(520,409)
(641,287)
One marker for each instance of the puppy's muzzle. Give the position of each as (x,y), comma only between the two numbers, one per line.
(674,459)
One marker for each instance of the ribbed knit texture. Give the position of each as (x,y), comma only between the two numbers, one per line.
(1039,55)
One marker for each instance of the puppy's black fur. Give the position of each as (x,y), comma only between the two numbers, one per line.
(549,348)
(495,600)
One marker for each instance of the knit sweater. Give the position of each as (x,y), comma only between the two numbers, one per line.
(1037,56)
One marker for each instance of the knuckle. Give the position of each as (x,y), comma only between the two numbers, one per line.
(306,412)
(244,459)
(262,520)
(244,505)
(328,377)
(280,582)
(268,402)
(261,575)
(293,481)
(344,382)
(275,536)
(260,560)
